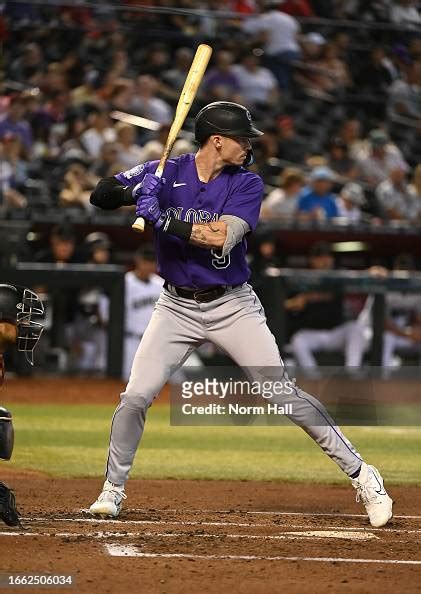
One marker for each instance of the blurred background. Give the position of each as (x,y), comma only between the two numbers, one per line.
(89,89)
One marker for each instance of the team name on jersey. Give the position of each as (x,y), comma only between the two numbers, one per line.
(191,215)
(143,302)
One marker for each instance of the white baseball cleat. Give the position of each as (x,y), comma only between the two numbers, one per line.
(371,492)
(110,500)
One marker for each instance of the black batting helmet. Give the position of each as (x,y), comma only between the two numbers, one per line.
(225,118)
(228,119)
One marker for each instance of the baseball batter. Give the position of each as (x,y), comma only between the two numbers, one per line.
(201,214)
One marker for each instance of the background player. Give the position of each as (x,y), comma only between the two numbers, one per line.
(201,215)
(142,289)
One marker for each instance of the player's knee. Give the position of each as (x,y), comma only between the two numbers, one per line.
(139,398)
(298,342)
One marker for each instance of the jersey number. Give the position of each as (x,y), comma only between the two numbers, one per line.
(219,261)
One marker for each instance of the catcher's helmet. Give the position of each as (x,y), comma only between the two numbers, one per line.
(18,306)
(225,118)
(9,299)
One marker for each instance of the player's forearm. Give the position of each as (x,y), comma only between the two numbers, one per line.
(209,235)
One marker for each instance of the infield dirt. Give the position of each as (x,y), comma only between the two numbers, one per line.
(198,519)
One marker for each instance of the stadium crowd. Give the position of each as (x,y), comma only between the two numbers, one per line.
(335,85)
(340,105)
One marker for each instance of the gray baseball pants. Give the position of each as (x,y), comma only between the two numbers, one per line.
(237,324)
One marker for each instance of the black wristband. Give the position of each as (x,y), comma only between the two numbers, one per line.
(181,229)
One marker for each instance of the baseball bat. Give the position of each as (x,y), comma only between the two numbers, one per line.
(188,93)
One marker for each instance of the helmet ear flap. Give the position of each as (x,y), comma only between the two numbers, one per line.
(249,160)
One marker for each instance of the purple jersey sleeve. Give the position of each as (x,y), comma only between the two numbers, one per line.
(133,176)
(246,199)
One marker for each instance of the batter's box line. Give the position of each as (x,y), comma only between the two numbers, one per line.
(132,551)
(314,534)
(204,523)
(250,512)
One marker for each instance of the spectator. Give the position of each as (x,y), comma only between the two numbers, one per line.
(28,64)
(317,202)
(333,76)
(297,8)
(404,12)
(308,70)
(395,197)
(317,320)
(377,11)
(99,131)
(9,196)
(279,34)
(119,94)
(405,95)
(290,146)
(98,246)
(15,122)
(86,92)
(173,79)
(339,160)
(14,155)
(415,188)
(349,202)
(108,163)
(282,202)
(78,184)
(156,61)
(257,85)
(376,77)
(312,46)
(221,82)
(152,150)
(350,133)
(129,153)
(62,249)
(379,157)
(70,145)
(146,102)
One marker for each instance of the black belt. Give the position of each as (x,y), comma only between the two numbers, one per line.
(200,295)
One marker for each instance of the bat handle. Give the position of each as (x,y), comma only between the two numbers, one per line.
(139,224)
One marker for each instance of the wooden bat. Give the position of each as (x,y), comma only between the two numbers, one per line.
(188,93)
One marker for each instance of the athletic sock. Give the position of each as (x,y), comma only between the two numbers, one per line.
(356,474)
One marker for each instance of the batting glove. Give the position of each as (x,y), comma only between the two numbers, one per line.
(151,185)
(148,208)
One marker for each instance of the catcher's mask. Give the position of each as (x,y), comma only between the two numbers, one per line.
(29,331)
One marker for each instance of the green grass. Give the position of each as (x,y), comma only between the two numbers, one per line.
(71,441)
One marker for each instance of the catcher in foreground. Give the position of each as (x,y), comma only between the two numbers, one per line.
(17,307)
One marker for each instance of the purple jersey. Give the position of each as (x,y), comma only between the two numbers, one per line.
(235,191)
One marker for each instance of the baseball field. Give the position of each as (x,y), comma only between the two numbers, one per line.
(250,508)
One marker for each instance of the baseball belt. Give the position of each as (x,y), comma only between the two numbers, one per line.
(200,295)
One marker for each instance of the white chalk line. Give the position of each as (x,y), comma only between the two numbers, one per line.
(314,534)
(200,523)
(269,513)
(145,522)
(132,551)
